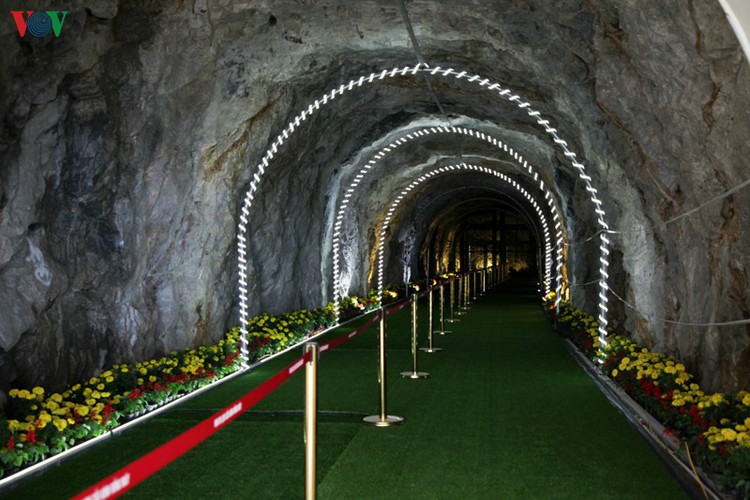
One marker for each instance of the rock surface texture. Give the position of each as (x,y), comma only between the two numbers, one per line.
(128,142)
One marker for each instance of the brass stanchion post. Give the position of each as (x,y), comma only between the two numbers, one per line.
(442,330)
(383,419)
(467,284)
(451,300)
(460,295)
(414,373)
(430,347)
(311,420)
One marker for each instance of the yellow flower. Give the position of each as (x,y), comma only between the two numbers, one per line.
(143,371)
(96,395)
(152,378)
(13,393)
(82,410)
(746,399)
(729,434)
(91,402)
(57,398)
(24,394)
(124,369)
(110,380)
(615,372)
(52,406)
(38,391)
(60,423)
(100,387)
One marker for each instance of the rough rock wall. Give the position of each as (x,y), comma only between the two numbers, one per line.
(127,142)
(671,78)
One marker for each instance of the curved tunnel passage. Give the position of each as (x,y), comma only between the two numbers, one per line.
(124,156)
(123,174)
(483,84)
(466,134)
(407,256)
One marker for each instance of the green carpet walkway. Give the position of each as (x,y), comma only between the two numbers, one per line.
(506,413)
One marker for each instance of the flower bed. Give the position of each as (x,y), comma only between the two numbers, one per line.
(716,427)
(38,423)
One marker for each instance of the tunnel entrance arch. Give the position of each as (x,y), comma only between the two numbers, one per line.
(456,168)
(523,165)
(483,84)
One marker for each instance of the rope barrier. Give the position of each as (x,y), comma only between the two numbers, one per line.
(141,469)
(136,472)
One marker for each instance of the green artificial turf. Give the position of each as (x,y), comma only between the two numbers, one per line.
(506,413)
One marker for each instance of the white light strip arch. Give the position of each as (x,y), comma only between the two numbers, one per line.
(483,84)
(436,130)
(461,167)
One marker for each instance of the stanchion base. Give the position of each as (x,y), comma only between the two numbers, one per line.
(415,375)
(430,349)
(442,332)
(378,422)
(452,320)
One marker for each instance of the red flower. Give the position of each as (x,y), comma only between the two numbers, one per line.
(30,436)
(11,443)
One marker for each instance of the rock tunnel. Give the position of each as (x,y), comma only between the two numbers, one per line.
(130,142)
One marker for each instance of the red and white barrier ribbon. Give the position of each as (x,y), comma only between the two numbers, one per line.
(127,477)
(136,472)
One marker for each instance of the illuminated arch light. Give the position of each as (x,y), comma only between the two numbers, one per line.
(483,83)
(427,131)
(449,169)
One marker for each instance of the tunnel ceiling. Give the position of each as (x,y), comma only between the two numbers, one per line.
(128,143)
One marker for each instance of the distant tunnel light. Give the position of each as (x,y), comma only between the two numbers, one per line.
(465,167)
(524,165)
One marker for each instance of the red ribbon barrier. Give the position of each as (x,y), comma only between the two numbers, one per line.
(347,337)
(136,472)
(127,477)
(394,310)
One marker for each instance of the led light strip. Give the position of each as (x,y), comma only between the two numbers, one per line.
(450,169)
(482,83)
(423,132)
